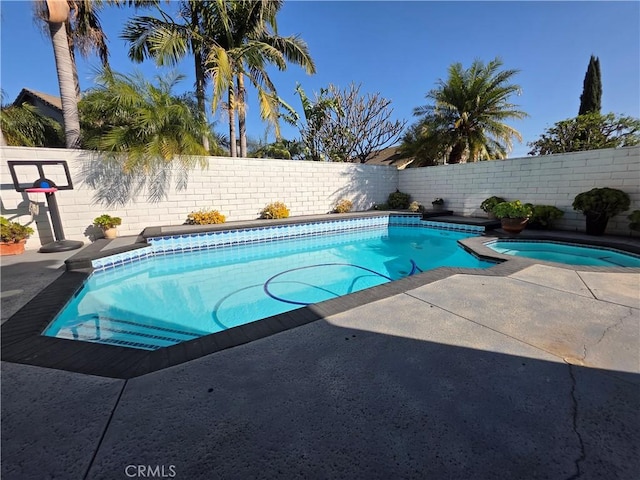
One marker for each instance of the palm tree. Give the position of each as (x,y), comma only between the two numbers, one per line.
(147,137)
(142,121)
(229,40)
(168,41)
(243,44)
(81,30)
(56,13)
(469,109)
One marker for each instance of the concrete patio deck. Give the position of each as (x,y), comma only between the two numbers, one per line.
(530,375)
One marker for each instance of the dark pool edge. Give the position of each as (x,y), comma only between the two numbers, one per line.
(22,342)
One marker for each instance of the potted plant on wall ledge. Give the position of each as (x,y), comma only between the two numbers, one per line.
(13,237)
(543,216)
(600,204)
(513,216)
(489,204)
(108,225)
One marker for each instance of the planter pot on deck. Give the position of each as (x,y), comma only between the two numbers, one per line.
(596,223)
(513,225)
(12,248)
(110,233)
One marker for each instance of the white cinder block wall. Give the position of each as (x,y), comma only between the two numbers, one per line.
(238,188)
(546,180)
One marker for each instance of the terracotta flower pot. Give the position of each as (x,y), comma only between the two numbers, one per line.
(513,225)
(12,248)
(110,233)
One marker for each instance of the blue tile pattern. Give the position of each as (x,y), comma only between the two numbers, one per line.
(416,221)
(107,263)
(210,240)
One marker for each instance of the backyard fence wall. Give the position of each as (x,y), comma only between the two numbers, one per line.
(240,188)
(545,180)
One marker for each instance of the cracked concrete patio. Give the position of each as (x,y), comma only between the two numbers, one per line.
(534,375)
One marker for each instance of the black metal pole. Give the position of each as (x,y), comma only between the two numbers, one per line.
(55,216)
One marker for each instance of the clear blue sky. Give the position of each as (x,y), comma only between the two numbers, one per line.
(399,49)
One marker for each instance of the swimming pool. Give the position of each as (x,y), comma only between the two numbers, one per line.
(180,293)
(566,253)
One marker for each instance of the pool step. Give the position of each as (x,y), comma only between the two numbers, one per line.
(113,331)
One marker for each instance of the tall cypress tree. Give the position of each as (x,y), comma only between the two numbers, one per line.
(591,98)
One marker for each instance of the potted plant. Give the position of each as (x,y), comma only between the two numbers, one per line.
(398,200)
(599,205)
(542,216)
(438,204)
(13,237)
(108,225)
(513,216)
(488,205)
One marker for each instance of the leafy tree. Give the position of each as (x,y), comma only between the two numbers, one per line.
(143,122)
(343,125)
(422,141)
(588,132)
(591,98)
(468,111)
(316,115)
(285,149)
(359,126)
(23,125)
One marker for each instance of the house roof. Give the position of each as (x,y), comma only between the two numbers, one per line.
(51,100)
(389,156)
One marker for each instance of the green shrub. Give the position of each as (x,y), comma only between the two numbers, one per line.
(13,232)
(107,221)
(205,217)
(513,209)
(399,200)
(542,216)
(635,220)
(275,210)
(489,204)
(343,206)
(602,201)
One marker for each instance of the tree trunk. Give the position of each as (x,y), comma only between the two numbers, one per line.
(232,124)
(197,55)
(456,153)
(72,53)
(242,117)
(67,85)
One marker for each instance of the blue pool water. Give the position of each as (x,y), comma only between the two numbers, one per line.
(566,253)
(167,299)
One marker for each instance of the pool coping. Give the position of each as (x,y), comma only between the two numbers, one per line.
(22,341)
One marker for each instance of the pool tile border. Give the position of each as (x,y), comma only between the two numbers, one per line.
(22,342)
(192,242)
